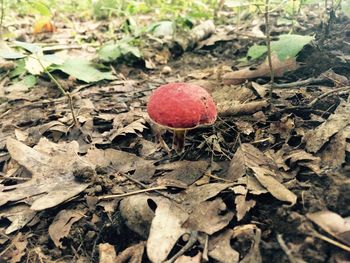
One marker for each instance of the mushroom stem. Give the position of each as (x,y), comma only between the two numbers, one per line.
(179,140)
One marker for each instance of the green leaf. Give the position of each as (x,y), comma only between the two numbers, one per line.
(32,48)
(8,53)
(345,6)
(41,8)
(112,52)
(19,70)
(82,69)
(29,81)
(289,46)
(256,51)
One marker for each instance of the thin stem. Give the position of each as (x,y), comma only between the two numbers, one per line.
(268,44)
(1,16)
(61,89)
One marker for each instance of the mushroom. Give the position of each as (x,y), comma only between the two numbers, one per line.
(180,107)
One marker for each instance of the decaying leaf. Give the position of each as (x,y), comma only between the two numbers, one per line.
(137,213)
(333,224)
(19,215)
(52,183)
(248,163)
(198,194)
(106,253)
(122,162)
(16,249)
(220,248)
(166,229)
(242,204)
(185,171)
(62,224)
(209,217)
(315,139)
(131,254)
(263,70)
(134,127)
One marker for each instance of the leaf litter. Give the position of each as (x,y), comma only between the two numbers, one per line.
(110,190)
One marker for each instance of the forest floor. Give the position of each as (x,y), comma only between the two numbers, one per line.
(269,181)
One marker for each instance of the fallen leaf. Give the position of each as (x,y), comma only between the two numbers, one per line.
(62,224)
(188,259)
(316,138)
(276,189)
(165,231)
(263,70)
(137,213)
(198,194)
(333,224)
(122,162)
(132,254)
(106,253)
(185,171)
(19,215)
(16,249)
(220,248)
(209,217)
(52,183)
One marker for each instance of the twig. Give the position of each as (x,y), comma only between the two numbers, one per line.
(132,193)
(285,249)
(268,44)
(297,83)
(145,187)
(331,241)
(326,94)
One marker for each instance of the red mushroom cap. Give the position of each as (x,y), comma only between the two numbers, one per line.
(181,106)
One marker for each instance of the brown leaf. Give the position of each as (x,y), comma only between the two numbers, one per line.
(19,215)
(137,213)
(333,224)
(122,162)
(16,249)
(263,70)
(315,139)
(52,183)
(198,194)
(220,248)
(62,224)
(209,217)
(166,229)
(132,254)
(277,189)
(185,171)
(187,259)
(243,206)
(107,253)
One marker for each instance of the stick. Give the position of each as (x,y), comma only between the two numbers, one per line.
(132,193)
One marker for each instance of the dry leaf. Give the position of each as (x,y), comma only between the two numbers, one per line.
(52,183)
(187,259)
(220,248)
(277,189)
(263,70)
(122,162)
(165,231)
(209,217)
(132,254)
(333,224)
(315,139)
(185,171)
(19,215)
(198,194)
(62,224)
(107,253)
(16,249)
(137,213)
